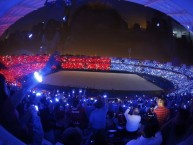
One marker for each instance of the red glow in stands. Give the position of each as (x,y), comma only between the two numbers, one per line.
(70,65)
(88,63)
(76,59)
(19,66)
(10,61)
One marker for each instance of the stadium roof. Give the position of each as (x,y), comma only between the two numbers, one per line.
(180,10)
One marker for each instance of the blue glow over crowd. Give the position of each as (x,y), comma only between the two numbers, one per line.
(59,101)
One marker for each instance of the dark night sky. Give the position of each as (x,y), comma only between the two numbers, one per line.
(113,43)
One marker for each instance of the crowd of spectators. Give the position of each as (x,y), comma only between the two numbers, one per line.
(179,76)
(56,115)
(110,118)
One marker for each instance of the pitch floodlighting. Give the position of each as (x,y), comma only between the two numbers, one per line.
(38,76)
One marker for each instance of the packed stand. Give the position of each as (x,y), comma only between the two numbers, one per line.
(62,110)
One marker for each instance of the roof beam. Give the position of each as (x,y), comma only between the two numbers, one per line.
(177,13)
(150,2)
(190,24)
(26,7)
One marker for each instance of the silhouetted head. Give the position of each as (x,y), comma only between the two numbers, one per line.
(72,136)
(99,103)
(75,102)
(136,111)
(98,139)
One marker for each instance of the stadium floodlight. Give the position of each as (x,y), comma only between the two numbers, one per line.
(30,35)
(38,76)
(64,18)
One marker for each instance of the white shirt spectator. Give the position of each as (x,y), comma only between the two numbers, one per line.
(133,121)
(157,140)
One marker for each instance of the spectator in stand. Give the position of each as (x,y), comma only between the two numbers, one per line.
(28,128)
(36,126)
(133,121)
(121,120)
(111,122)
(89,107)
(48,122)
(61,117)
(162,112)
(177,129)
(77,115)
(97,118)
(151,134)
(9,116)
